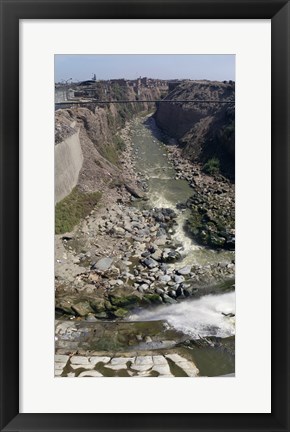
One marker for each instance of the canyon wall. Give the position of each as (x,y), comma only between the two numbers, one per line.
(205,130)
(89,158)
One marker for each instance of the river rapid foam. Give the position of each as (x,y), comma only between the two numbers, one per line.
(198,318)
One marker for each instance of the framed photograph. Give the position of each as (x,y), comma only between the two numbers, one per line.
(144,215)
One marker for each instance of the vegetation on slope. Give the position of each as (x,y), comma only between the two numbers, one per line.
(212,166)
(76,206)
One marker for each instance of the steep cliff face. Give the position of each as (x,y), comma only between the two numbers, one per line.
(204,130)
(98,165)
(68,163)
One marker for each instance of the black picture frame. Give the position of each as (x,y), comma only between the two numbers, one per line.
(11,12)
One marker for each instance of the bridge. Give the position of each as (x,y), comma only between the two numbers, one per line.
(107,102)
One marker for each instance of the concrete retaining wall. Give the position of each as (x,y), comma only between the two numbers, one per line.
(68,160)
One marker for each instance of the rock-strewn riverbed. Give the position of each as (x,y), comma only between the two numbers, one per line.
(127,255)
(127,258)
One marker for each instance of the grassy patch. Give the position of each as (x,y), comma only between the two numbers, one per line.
(73,208)
(112,151)
(109,152)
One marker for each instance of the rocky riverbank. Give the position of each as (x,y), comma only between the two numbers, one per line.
(212,205)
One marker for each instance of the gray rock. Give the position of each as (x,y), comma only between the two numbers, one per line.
(144,232)
(154,270)
(168,299)
(134,191)
(112,282)
(172,293)
(157,255)
(184,271)
(82,308)
(171,256)
(161,232)
(119,282)
(178,279)
(101,315)
(165,278)
(150,262)
(159,217)
(159,291)
(119,230)
(103,264)
(127,227)
(91,318)
(146,281)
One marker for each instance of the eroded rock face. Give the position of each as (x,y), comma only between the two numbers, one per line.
(100,145)
(204,130)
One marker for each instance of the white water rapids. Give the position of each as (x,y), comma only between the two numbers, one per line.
(198,318)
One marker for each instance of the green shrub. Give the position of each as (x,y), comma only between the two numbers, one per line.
(73,208)
(212,166)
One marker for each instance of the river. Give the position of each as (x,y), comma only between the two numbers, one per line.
(164,190)
(210,315)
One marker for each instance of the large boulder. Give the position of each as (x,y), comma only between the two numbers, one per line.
(103,264)
(124,298)
(134,191)
(170,255)
(82,308)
